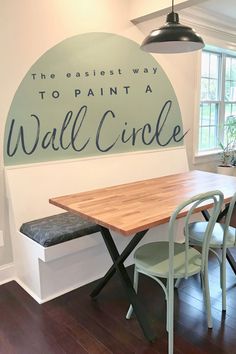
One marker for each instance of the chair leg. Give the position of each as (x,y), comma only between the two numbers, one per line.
(207,298)
(167,306)
(170,314)
(136,275)
(202,281)
(223,279)
(177,282)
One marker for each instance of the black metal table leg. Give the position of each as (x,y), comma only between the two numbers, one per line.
(222,214)
(231,260)
(206,214)
(125,280)
(121,258)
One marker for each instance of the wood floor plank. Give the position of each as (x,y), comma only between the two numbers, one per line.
(30,328)
(75,324)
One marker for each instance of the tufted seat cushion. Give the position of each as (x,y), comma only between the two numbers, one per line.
(58,228)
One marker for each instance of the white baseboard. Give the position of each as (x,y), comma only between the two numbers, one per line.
(7,273)
(66,290)
(28,290)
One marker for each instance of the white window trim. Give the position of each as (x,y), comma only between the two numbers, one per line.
(197,158)
(207,155)
(208,27)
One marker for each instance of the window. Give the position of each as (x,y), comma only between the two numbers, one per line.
(218,97)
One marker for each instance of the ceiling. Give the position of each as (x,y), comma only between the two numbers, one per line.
(221,8)
(217,18)
(223,11)
(217,14)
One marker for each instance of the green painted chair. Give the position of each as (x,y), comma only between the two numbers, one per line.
(223,237)
(170,260)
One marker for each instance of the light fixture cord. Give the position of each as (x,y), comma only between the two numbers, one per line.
(172,5)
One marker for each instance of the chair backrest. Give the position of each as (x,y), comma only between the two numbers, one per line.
(187,209)
(228,218)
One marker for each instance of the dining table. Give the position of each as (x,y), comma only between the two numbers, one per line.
(131,209)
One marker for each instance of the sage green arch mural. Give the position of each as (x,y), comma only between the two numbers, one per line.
(92,94)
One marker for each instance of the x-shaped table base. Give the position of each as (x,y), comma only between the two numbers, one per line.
(118,266)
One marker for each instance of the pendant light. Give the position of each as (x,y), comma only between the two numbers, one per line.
(172,37)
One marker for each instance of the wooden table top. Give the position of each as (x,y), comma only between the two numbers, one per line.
(137,206)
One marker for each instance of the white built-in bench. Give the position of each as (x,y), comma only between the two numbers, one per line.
(50,265)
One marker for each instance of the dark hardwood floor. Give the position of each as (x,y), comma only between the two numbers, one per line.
(73,323)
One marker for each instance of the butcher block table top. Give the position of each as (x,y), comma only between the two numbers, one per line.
(137,206)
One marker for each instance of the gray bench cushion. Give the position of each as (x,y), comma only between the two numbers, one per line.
(58,228)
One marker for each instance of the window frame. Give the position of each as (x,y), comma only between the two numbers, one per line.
(224,53)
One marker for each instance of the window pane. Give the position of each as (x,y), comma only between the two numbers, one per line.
(230,109)
(204,89)
(230,90)
(204,138)
(233,69)
(230,68)
(233,111)
(233,90)
(230,79)
(209,89)
(210,76)
(214,66)
(205,64)
(207,138)
(212,137)
(227,90)
(204,114)
(214,115)
(230,105)
(227,68)
(208,130)
(218,99)
(230,130)
(213,90)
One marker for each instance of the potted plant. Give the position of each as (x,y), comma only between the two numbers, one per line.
(228,153)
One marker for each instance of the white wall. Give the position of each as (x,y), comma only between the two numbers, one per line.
(29,28)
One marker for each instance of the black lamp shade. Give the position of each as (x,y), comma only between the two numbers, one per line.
(172,38)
